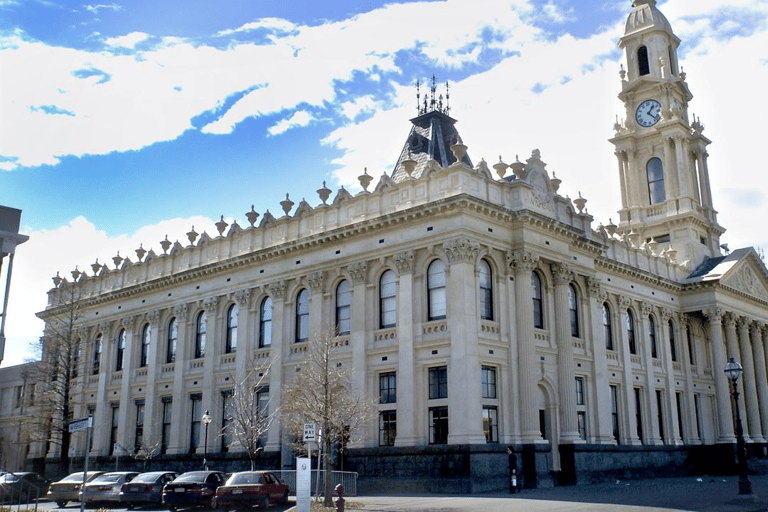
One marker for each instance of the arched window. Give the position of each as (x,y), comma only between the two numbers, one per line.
(231,345)
(643,66)
(146,339)
(173,336)
(96,355)
(655,172)
(387,300)
(538,309)
(200,334)
(486,290)
(573,309)
(343,301)
(265,322)
(607,326)
(631,332)
(120,350)
(436,287)
(672,343)
(652,336)
(302,316)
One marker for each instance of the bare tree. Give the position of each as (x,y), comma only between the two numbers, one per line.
(59,352)
(248,412)
(146,451)
(321,393)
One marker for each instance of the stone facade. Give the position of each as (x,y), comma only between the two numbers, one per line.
(479,308)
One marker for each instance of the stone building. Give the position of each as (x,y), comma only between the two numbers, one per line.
(478,307)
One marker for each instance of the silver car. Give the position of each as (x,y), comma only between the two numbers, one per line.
(68,488)
(106,488)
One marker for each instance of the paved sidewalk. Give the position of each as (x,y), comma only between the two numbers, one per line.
(707,494)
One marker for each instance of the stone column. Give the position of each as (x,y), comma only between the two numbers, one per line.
(722,391)
(464,405)
(184,349)
(566,373)
(732,342)
(244,351)
(524,263)
(644,339)
(319,324)
(748,379)
(621,158)
(282,337)
(756,332)
(126,415)
(509,385)
(684,359)
(601,409)
(406,371)
(665,352)
(213,345)
(357,336)
(152,420)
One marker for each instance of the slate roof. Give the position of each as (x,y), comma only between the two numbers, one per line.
(431,137)
(715,268)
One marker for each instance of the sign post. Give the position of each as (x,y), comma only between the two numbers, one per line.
(303,483)
(77,426)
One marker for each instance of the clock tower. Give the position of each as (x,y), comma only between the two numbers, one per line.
(661,152)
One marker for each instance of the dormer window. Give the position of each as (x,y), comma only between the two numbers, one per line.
(643,66)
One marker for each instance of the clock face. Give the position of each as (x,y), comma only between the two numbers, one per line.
(647,114)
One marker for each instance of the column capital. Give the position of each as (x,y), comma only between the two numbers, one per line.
(667,314)
(128,322)
(210,304)
(646,308)
(624,302)
(404,262)
(277,290)
(714,314)
(359,272)
(153,316)
(461,250)
(562,273)
(744,322)
(181,311)
(522,260)
(316,280)
(595,289)
(243,297)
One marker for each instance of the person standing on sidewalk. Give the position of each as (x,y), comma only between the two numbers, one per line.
(512,470)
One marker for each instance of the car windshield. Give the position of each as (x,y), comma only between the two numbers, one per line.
(146,478)
(192,477)
(244,478)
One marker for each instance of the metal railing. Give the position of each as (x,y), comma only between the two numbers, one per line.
(19,493)
(346,478)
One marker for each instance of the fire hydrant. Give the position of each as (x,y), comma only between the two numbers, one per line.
(340,500)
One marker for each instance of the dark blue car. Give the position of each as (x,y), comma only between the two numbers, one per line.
(192,489)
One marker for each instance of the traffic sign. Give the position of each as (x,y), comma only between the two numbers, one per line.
(309,432)
(81,424)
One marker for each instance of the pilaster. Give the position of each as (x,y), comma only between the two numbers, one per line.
(566,374)
(723,396)
(406,371)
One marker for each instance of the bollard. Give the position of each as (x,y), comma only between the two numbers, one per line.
(340,500)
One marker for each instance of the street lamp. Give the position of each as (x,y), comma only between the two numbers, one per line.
(206,421)
(733,371)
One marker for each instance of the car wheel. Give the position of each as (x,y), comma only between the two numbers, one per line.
(284,498)
(61,504)
(264,502)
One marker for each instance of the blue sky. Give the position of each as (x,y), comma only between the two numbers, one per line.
(122,122)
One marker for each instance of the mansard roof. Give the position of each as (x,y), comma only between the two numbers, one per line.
(431,137)
(741,270)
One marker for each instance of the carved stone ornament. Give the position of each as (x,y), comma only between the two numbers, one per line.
(358,271)
(243,297)
(562,273)
(277,290)
(210,303)
(153,316)
(624,302)
(523,260)
(181,311)
(666,314)
(404,261)
(646,308)
(461,250)
(745,280)
(595,289)
(128,322)
(316,280)
(715,315)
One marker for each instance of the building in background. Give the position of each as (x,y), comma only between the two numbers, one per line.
(477,306)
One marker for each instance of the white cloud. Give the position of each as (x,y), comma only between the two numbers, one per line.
(298,119)
(127,41)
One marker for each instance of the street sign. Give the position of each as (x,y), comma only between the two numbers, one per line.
(309,432)
(81,424)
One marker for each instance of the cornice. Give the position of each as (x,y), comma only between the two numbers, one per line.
(609,265)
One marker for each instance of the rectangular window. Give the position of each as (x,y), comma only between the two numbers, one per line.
(491,423)
(691,352)
(660,414)
(579,390)
(543,423)
(227,406)
(581,419)
(113,430)
(387,388)
(262,400)
(165,435)
(139,432)
(615,411)
(19,395)
(195,420)
(639,413)
(696,411)
(387,428)
(488,382)
(438,425)
(438,382)
(679,400)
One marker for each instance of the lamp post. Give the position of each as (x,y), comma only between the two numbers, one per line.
(206,421)
(733,371)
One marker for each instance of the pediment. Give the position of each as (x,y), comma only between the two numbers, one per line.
(749,276)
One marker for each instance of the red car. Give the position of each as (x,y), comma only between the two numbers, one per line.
(250,488)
